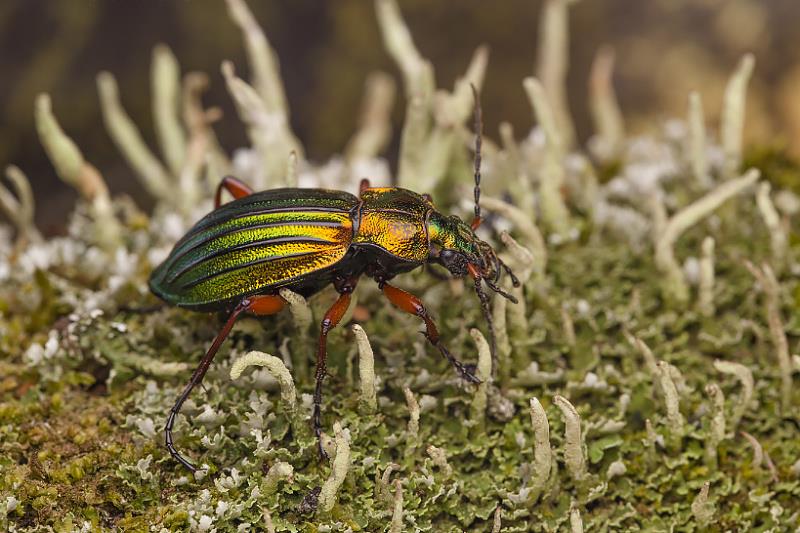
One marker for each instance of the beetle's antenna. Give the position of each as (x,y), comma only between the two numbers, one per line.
(514,278)
(477,161)
(510,297)
(487,314)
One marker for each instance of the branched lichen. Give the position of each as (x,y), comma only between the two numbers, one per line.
(674,285)
(18,206)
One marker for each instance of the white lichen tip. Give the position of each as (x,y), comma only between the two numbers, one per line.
(340,465)
(702,509)
(439,458)
(397,509)
(262,58)
(705,293)
(542,454)
(675,286)
(758,450)
(366,372)
(498,520)
(129,142)
(65,155)
(544,114)
(412,430)
(276,368)
(575,520)
(777,233)
(573,443)
(607,117)
(166,90)
(672,401)
(267,128)
(453,109)
(298,306)
(280,471)
(19,205)
(555,214)
(400,45)
(772,307)
(484,373)
(553,61)
(716,426)
(733,114)
(697,141)
(745,377)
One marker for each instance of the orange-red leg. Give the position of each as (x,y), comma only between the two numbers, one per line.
(414,306)
(363,186)
(330,321)
(236,187)
(259,305)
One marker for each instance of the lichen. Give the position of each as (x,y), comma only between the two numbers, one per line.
(614,403)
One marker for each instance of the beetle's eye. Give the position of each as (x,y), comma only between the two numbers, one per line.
(455,262)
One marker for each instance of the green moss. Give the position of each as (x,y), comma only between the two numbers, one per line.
(79,449)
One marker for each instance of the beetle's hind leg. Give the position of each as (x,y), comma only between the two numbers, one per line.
(260,305)
(236,187)
(414,306)
(345,287)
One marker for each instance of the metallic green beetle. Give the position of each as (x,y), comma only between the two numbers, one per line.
(238,256)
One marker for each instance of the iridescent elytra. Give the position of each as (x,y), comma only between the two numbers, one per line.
(236,258)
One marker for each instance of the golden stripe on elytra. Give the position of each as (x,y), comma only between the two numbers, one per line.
(259,237)
(246,221)
(249,279)
(236,259)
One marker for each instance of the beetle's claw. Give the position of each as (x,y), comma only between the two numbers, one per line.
(467,372)
(323,455)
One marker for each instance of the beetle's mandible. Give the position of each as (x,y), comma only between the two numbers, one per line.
(237,258)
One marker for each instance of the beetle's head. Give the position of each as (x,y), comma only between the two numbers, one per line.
(454,245)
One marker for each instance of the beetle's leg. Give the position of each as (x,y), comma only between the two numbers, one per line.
(331,319)
(363,186)
(236,187)
(414,306)
(260,305)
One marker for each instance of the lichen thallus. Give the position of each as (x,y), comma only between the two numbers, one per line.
(237,257)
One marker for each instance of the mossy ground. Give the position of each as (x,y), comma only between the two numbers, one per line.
(80,426)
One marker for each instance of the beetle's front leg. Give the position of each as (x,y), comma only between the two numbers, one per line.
(414,306)
(345,287)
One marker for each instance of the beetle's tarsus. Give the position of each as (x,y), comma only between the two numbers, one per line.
(256,304)
(345,287)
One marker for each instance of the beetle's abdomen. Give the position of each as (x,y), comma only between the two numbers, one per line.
(393,219)
(260,242)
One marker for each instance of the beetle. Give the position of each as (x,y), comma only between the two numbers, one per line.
(237,257)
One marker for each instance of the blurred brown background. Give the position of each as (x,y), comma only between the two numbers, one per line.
(664,49)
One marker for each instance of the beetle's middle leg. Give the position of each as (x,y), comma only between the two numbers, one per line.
(259,305)
(236,187)
(414,306)
(345,287)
